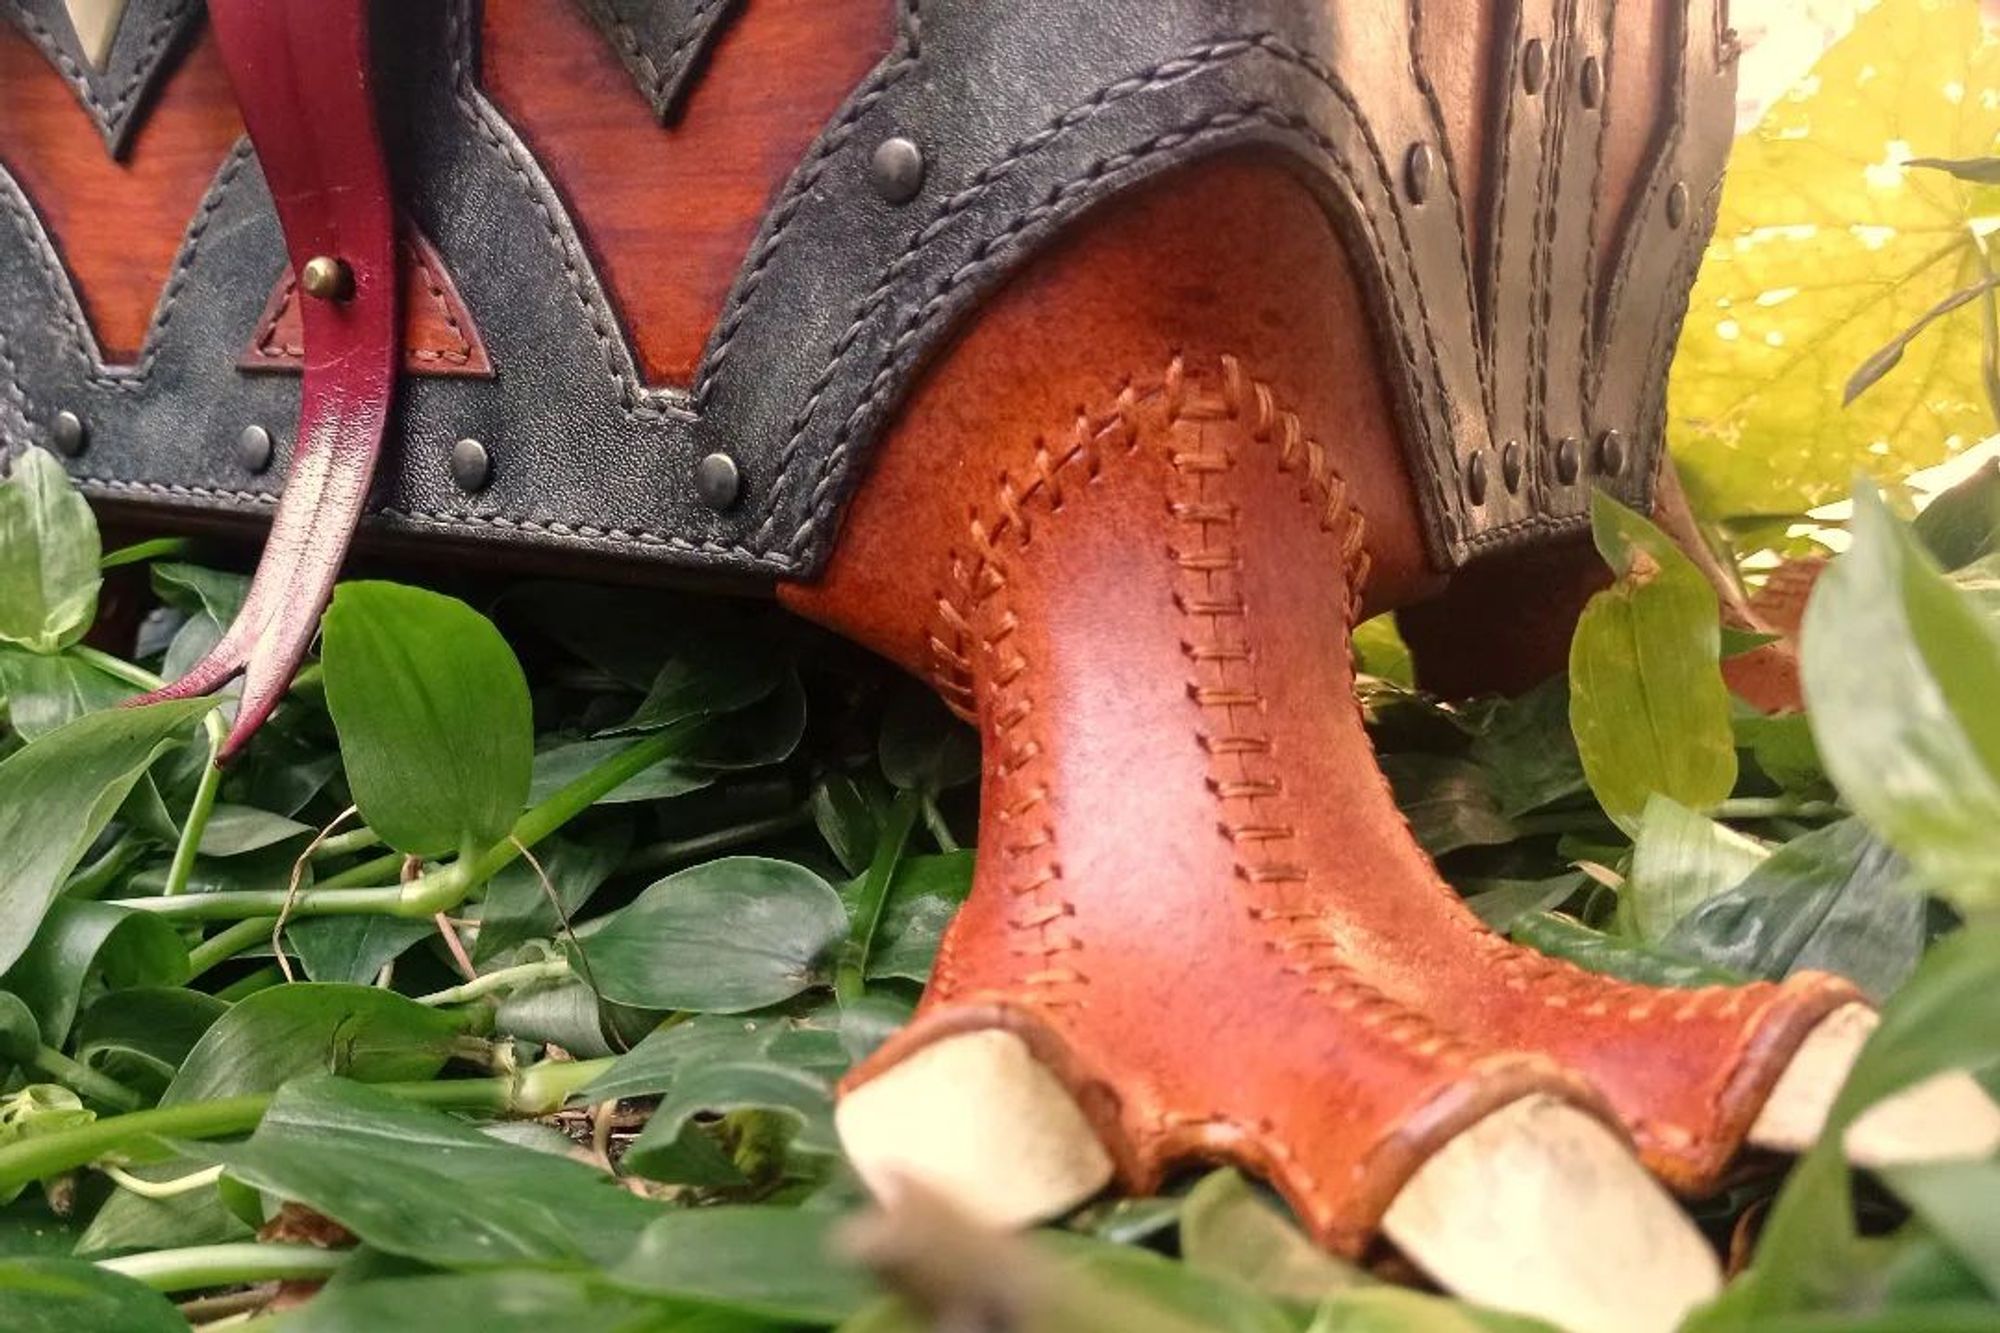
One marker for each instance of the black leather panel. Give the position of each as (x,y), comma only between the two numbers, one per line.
(149,36)
(661,41)
(1027,112)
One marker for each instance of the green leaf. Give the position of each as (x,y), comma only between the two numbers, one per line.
(48,556)
(800,1097)
(1680,860)
(43,692)
(923,747)
(1834,900)
(775,1262)
(1231,1231)
(433,715)
(1827,246)
(723,937)
(560,765)
(1561,937)
(1900,673)
(1501,902)
(20,1034)
(66,1296)
(518,907)
(140,1036)
(1526,748)
(924,895)
(235,829)
(198,590)
(653,1065)
(1647,702)
(82,945)
(1957,1200)
(716,671)
(309,1028)
(847,819)
(1379,651)
(56,796)
(413,1182)
(1393,1310)
(1447,801)
(352,949)
(501,1302)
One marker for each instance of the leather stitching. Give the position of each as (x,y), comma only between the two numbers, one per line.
(267,345)
(656,79)
(110,117)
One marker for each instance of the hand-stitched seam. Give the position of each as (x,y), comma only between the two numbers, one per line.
(918,317)
(654,77)
(1423,82)
(460,355)
(110,117)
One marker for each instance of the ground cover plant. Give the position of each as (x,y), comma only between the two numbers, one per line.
(503,982)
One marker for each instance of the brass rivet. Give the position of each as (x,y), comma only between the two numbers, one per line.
(1590,83)
(254,448)
(1568,458)
(1611,453)
(1677,204)
(716,481)
(1417,172)
(897,170)
(1510,466)
(69,432)
(1534,66)
(326,278)
(1475,477)
(471,465)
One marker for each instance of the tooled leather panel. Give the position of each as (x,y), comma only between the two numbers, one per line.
(843,296)
(659,41)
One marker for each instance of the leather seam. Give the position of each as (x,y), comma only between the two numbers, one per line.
(110,117)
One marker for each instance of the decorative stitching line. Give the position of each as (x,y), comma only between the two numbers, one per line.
(110,118)
(653,78)
(267,345)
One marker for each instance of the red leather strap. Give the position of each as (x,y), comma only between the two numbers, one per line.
(301,74)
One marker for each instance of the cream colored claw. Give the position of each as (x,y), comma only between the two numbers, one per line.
(1945,1116)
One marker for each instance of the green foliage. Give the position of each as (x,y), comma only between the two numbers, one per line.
(1647,702)
(48,557)
(1828,247)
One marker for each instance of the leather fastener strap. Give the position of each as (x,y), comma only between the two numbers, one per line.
(301,76)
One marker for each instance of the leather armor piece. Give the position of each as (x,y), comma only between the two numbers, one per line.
(143,46)
(1503,359)
(1126,526)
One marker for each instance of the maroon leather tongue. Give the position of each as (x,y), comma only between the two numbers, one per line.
(301,75)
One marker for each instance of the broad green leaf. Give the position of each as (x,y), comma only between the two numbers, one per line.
(29,1228)
(715,671)
(1379,651)
(433,715)
(1962,525)
(1561,937)
(1901,674)
(1229,1230)
(352,949)
(847,819)
(44,691)
(1647,702)
(667,1052)
(924,895)
(56,796)
(1680,860)
(723,937)
(775,1262)
(1834,900)
(560,765)
(1501,902)
(1826,248)
(923,747)
(1394,1310)
(48,556)
(414,1182)
(802,1098)
(309,1028)
(1960,1201)
(195,589)
(502,1302)
(1447,801)
(141,1035)
(1526,747)
(66,1296)
(20,1033)
(233,830)
(83,947)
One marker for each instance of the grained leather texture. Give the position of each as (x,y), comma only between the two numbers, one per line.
(1125,526)
(1027,115)
(661,41)
(112,94)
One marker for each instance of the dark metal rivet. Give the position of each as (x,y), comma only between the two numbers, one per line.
(1475,477)
(1510,466)
(897,170)
(69,432)
(254,448)
(1677,204)
(1590,83)
(1417,172)
(471,465)
(1611,453)
(327,278)
(717,481)
(1569,455)
(1534,66)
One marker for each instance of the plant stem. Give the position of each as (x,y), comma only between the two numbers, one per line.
(498,979)
(1774,807)
(201,1266)
(537,1090)
(196,823)
(83,1080)
(341,844)
(441,889)
(163,1189)
(940,830)
(94,878)
(851,975)
(263,978)
(227,943)
(384,869)
(675,851)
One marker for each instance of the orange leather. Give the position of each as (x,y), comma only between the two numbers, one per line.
(1126,524)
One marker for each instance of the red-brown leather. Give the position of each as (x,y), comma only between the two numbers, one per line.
(1125,524)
